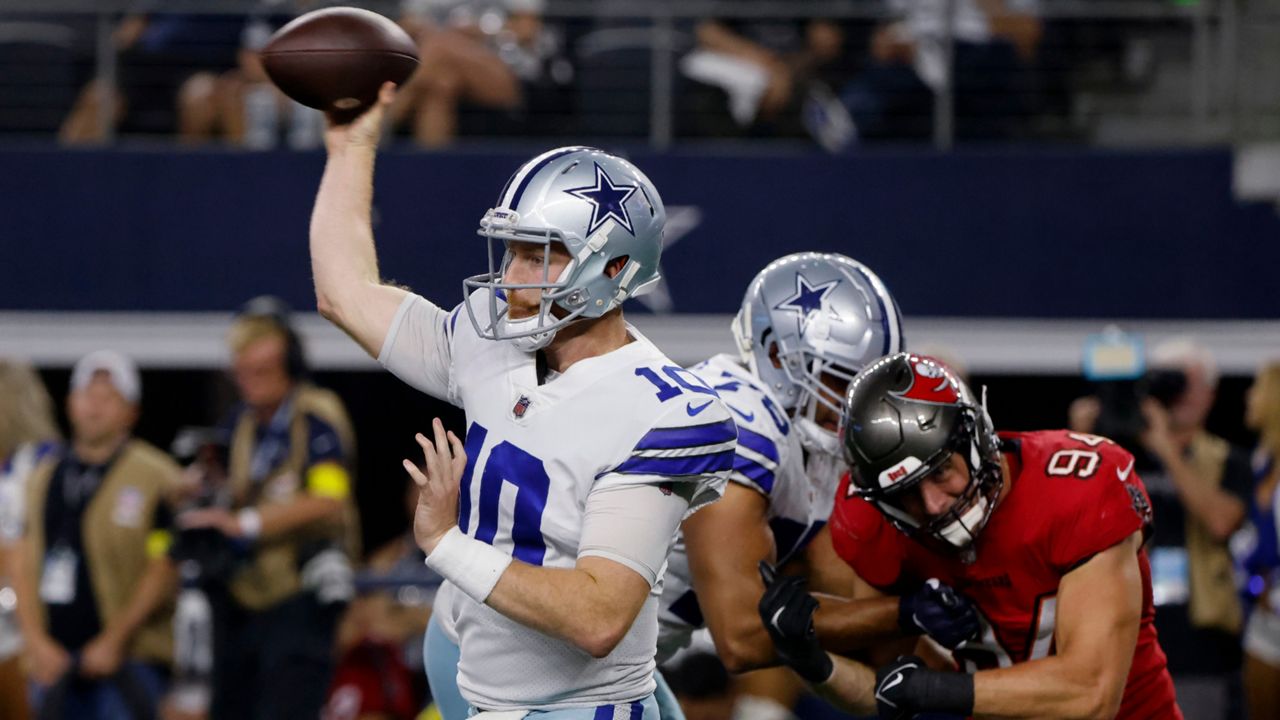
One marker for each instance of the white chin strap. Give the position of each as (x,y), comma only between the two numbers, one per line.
(527,343)
(959,533)
(816,438)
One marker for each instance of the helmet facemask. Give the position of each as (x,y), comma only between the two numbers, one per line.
(795,377)
(807,370)
(538,330)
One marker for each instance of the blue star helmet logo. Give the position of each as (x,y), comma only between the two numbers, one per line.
(608,200)
(807,300)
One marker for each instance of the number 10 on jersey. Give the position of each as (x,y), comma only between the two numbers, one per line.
(508,464)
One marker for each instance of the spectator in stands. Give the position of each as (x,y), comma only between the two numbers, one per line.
(292,510)
(241,105)
(27,434)
(995,42)
(380,672)
(762,72)
(1200,488)
(1262,633)
(495,55)
(90,570)
(157,53)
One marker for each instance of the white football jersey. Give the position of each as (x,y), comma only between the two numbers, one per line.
(769,460)
(534,453)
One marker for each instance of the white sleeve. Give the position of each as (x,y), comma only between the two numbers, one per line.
(419,347)
(634,525)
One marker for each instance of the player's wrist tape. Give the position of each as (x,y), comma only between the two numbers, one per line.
(250,521)
(943,692)
(473,566)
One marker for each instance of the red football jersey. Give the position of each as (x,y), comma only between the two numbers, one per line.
(1071,497)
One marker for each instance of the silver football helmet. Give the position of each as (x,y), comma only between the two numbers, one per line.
(601,208)
(813,314)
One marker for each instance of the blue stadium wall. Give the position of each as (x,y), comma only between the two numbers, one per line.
(1052,234)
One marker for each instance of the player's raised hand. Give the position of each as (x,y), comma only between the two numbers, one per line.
(940,612)
(787,612)
(444,460)
(364,130)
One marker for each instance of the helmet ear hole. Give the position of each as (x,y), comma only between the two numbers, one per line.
(773,355)
(615,265)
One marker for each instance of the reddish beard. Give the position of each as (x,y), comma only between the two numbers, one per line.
(518,305)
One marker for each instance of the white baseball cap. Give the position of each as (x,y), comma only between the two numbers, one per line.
(120,369)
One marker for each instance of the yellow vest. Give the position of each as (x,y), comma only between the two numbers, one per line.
(115,548)
(1213,601)
(272,575)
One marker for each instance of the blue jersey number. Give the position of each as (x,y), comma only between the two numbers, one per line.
(666,390)
(510,464)
(779,417)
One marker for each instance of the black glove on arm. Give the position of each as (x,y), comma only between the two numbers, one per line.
(940,612)
(906,687)
(787,612)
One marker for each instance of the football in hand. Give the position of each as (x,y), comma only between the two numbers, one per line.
(336,59)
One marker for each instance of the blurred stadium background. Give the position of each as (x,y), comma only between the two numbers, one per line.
(1087,163)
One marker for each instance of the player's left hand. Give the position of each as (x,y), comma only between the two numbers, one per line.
(939,612)
(444,459)
(787,612)
(906,687)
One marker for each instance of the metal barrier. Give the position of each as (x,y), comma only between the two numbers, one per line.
(1117,72)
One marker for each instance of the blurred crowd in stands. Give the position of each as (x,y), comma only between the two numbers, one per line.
(224,576)
(504,68)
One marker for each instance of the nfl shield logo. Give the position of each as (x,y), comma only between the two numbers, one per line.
(521,406)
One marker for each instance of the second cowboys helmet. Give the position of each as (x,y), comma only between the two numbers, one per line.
(812,314)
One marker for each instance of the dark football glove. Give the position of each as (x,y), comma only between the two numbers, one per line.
(906,687)
(940,612)
(787,612)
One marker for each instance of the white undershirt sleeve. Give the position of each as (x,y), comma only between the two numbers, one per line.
(418,347)
(634,525)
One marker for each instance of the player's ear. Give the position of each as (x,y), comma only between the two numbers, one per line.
(615,266)
(773,355)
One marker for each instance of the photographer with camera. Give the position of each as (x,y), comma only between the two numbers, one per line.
(292,518)
(1200,488)
(90,568)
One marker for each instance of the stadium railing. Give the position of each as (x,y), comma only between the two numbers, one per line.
(1108,72)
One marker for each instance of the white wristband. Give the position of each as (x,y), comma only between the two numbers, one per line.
(250,523)
(471,565)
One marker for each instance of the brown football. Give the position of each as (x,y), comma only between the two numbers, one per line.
(336,59)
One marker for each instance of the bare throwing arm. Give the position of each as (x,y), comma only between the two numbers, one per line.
(349,290)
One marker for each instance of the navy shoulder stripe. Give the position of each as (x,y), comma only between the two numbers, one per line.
(689,436)
(758,474)
(758,443)
(677,466)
